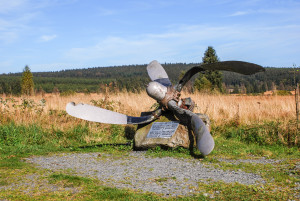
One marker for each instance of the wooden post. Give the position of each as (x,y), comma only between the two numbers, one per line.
(297,112)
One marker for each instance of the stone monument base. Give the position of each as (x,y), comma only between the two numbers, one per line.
(182,137)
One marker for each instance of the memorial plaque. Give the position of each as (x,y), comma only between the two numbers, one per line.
(163,129)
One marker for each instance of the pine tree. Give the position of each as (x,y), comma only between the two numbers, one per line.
(210,56)
(214,77)
(27,84)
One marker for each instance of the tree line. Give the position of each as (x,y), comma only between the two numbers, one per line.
(134,78)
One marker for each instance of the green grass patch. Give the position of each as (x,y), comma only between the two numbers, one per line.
(231,148)
(3,181)
(266,133)
(93,190)
(236,149)
(33,139)
(231,142)
(107,193)
(68,180)
(235,191)
(11,162)
(280,175)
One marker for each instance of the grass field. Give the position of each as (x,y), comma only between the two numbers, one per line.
(243,127)
(249,109)
(278,113)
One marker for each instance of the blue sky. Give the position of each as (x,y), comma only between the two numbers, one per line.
(52,35)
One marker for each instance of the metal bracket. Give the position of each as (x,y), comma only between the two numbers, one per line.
(171,94)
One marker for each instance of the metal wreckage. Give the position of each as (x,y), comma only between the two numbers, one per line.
(168,96)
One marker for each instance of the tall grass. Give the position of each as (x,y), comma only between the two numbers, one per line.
(271,116)
(220,108)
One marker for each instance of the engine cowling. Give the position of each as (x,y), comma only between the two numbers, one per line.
(156,91)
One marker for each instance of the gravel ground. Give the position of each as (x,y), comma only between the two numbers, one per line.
(167,176)
(258,161)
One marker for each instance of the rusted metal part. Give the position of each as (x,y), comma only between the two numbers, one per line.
(187,104)
(183,115)
(170,95)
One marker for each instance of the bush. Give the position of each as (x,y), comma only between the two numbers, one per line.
(68,93)
(268,133)
(282,93)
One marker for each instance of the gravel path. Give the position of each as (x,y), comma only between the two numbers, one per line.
(167,176)
(255,161)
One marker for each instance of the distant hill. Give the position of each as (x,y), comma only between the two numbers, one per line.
(134,78)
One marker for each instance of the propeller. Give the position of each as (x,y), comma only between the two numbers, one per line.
(158,74)
(100,115)
(168,96)
(161,89)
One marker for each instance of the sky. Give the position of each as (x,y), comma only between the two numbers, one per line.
(54,35)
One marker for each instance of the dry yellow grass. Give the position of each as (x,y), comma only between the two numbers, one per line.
(248,109)
(220,108)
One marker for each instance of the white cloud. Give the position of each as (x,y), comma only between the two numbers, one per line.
(15,20)
(269,11)
(8,36)
(53,66)
(106,12)
(187,44)
(117,50)
(5,64)
(169,46)
(239,13)
(46,38)
(8,6)
(11,29)
(18,15)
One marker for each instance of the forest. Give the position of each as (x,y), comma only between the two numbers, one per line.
(134,78)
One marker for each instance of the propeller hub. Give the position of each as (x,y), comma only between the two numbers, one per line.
(156,90)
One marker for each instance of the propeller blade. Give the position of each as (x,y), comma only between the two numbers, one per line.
(157,73)
(241,67)
(205,142)
(96,114)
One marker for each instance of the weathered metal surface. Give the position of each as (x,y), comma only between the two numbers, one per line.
(205,142)
(241,67)
(96,114)
(157,73)
(156,90)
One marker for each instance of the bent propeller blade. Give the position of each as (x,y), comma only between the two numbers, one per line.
(100,115)
(157,73)
(205,142)
(241,67)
